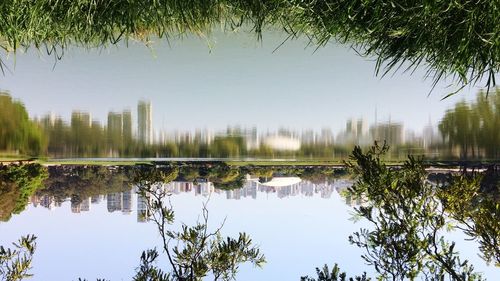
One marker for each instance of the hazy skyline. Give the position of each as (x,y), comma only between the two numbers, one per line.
(237,81)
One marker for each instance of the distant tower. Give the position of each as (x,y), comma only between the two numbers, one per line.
(145,122)
(350,127)
(81,118)
(127,127)
(361,127)
(115,129)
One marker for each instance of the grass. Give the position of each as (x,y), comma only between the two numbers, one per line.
(240,163)
(92,162)
(286,163)
(6,157)
(457,39)
(236,163)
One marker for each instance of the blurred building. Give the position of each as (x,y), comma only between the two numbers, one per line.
(392,133)
(80,119)
(127,126)
(145,122)
(114,202)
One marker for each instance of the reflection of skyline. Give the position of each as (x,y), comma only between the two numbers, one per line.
(124,201)
(84,136)
(145,122)
(357,131)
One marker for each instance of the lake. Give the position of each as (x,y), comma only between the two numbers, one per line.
(91,223)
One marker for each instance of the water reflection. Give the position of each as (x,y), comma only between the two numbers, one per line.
(470,201)
(252,189)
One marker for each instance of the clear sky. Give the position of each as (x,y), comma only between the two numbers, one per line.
(233,80)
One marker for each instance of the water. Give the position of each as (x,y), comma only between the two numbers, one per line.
(94,226)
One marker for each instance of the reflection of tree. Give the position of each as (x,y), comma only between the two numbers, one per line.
(230,146)
(196,251)
(17,184)
(407,217)
(474,129)
(79,182)
(227,178)
(17,132)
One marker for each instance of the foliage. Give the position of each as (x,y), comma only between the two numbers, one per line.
(227,178)
(444,35)
(78,182)
(149,175)
(450,37)
(17,132)
(407,218)
(325,274)
(16,263)
(196,252)
(17,184)
(474,128)
(477,212)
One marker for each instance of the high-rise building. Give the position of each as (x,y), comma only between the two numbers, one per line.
(350,127)
(115,129)
(127,202)
(81,118)
(142,208)
(392,133)
(361,127)
(145,122)
(114,202)
(127,126)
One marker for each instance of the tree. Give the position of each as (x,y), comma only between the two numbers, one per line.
(196,251)
(17,132)
(16,263)
(17,184)
(474,128)
(407,216)
(325,274)
(476,210)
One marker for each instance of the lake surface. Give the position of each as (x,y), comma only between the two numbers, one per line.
(94,226)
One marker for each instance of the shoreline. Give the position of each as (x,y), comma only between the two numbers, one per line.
(434,165)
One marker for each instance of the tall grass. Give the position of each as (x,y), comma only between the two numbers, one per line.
(458,38)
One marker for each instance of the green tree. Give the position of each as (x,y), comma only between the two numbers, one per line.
(16,263)
(476,210)
(17,184)
(407,217)
(474,128)
(196,251)
(17,132)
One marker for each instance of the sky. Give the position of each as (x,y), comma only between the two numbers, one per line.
(231,79)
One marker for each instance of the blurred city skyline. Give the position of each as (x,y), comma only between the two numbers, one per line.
(127,125)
